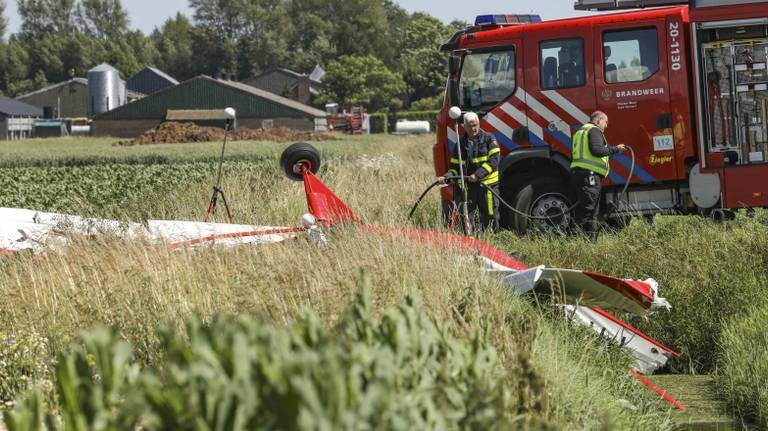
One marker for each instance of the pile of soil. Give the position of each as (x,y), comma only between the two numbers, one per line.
(173,132)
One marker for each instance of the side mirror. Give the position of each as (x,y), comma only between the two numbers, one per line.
(454,64)
(453,92)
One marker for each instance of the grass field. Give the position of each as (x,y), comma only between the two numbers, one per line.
(553,375)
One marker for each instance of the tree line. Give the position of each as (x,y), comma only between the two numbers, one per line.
(373,51)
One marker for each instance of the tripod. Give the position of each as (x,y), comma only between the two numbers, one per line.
(217,191)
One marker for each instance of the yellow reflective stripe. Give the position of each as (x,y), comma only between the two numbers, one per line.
(453,171)
(494,151)
(480,159)
(487,167)
(491,179)
(456,161)
(489,199)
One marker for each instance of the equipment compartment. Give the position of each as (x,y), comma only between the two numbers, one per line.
(735,87)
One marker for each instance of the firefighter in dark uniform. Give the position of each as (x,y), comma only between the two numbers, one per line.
(589,166)
(480,154)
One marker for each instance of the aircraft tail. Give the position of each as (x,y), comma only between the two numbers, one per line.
(324,204)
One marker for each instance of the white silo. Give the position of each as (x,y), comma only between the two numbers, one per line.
(104,89)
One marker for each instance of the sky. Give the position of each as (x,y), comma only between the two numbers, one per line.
(145,15)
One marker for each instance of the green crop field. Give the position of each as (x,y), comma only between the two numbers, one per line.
(367,332)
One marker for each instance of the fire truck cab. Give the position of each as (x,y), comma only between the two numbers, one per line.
(685,86)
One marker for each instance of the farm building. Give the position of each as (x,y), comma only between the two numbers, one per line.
(66,99)
(255,108)
(287,83)
(17,118)
(149,81)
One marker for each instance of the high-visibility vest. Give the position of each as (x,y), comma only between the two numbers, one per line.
(581,156)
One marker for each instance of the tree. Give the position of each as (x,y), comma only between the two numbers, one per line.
(362,79)
(265,43)
(310,39)
(46,17)
(222,18)
(175,48)
(423,66)
(3,22)
(102,19)
(220,24)
(78,54)
(363,28)
(14,69)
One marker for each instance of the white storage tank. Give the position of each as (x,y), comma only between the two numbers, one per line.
(408,126)
(106,91)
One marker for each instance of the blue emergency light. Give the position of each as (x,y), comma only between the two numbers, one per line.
(506,19)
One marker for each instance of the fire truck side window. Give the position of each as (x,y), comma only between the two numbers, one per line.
(630,55)
(487,78)
(562,63)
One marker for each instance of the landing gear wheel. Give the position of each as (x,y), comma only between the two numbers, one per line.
(543,197)
(299,158)
(618,222)
(722,215)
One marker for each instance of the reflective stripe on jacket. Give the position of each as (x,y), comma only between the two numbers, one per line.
(480,157)
(581,155)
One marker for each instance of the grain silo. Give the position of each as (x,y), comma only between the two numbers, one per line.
(106,90)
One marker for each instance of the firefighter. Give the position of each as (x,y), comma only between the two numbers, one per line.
(480,154)
(589,166)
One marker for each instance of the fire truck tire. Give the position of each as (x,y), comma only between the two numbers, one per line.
(542,197)
(299,154)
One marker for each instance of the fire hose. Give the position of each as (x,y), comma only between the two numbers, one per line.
(453,178)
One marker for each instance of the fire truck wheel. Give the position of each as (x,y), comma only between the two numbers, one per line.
(299,157)
(547,199)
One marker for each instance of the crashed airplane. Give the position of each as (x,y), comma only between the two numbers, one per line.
(585,297)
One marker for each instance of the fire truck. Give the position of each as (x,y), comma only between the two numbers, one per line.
(684,85)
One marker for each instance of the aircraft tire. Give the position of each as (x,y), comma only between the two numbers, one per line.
(302,154)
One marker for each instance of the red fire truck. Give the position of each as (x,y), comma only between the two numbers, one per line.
(684,86)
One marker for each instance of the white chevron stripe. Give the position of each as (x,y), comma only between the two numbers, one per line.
(567,106)
(521,118)
(537,106)
(452,136)
(499,125)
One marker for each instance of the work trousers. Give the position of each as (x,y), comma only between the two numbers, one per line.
(589,186)
(483,206)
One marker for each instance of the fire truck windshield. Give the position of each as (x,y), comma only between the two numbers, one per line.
(487,78)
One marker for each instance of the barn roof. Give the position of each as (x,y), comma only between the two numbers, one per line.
(13,107)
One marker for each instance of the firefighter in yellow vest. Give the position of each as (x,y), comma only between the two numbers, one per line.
(481,155)
(589,166)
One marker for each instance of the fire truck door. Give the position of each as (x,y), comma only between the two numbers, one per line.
(559,93)
(632,87)
(491,77)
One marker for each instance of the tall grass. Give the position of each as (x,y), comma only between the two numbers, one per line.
(78,151)
(139,287)
(563,376)
(743,374)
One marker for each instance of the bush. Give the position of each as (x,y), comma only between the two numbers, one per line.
(404,371)
(379,122)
